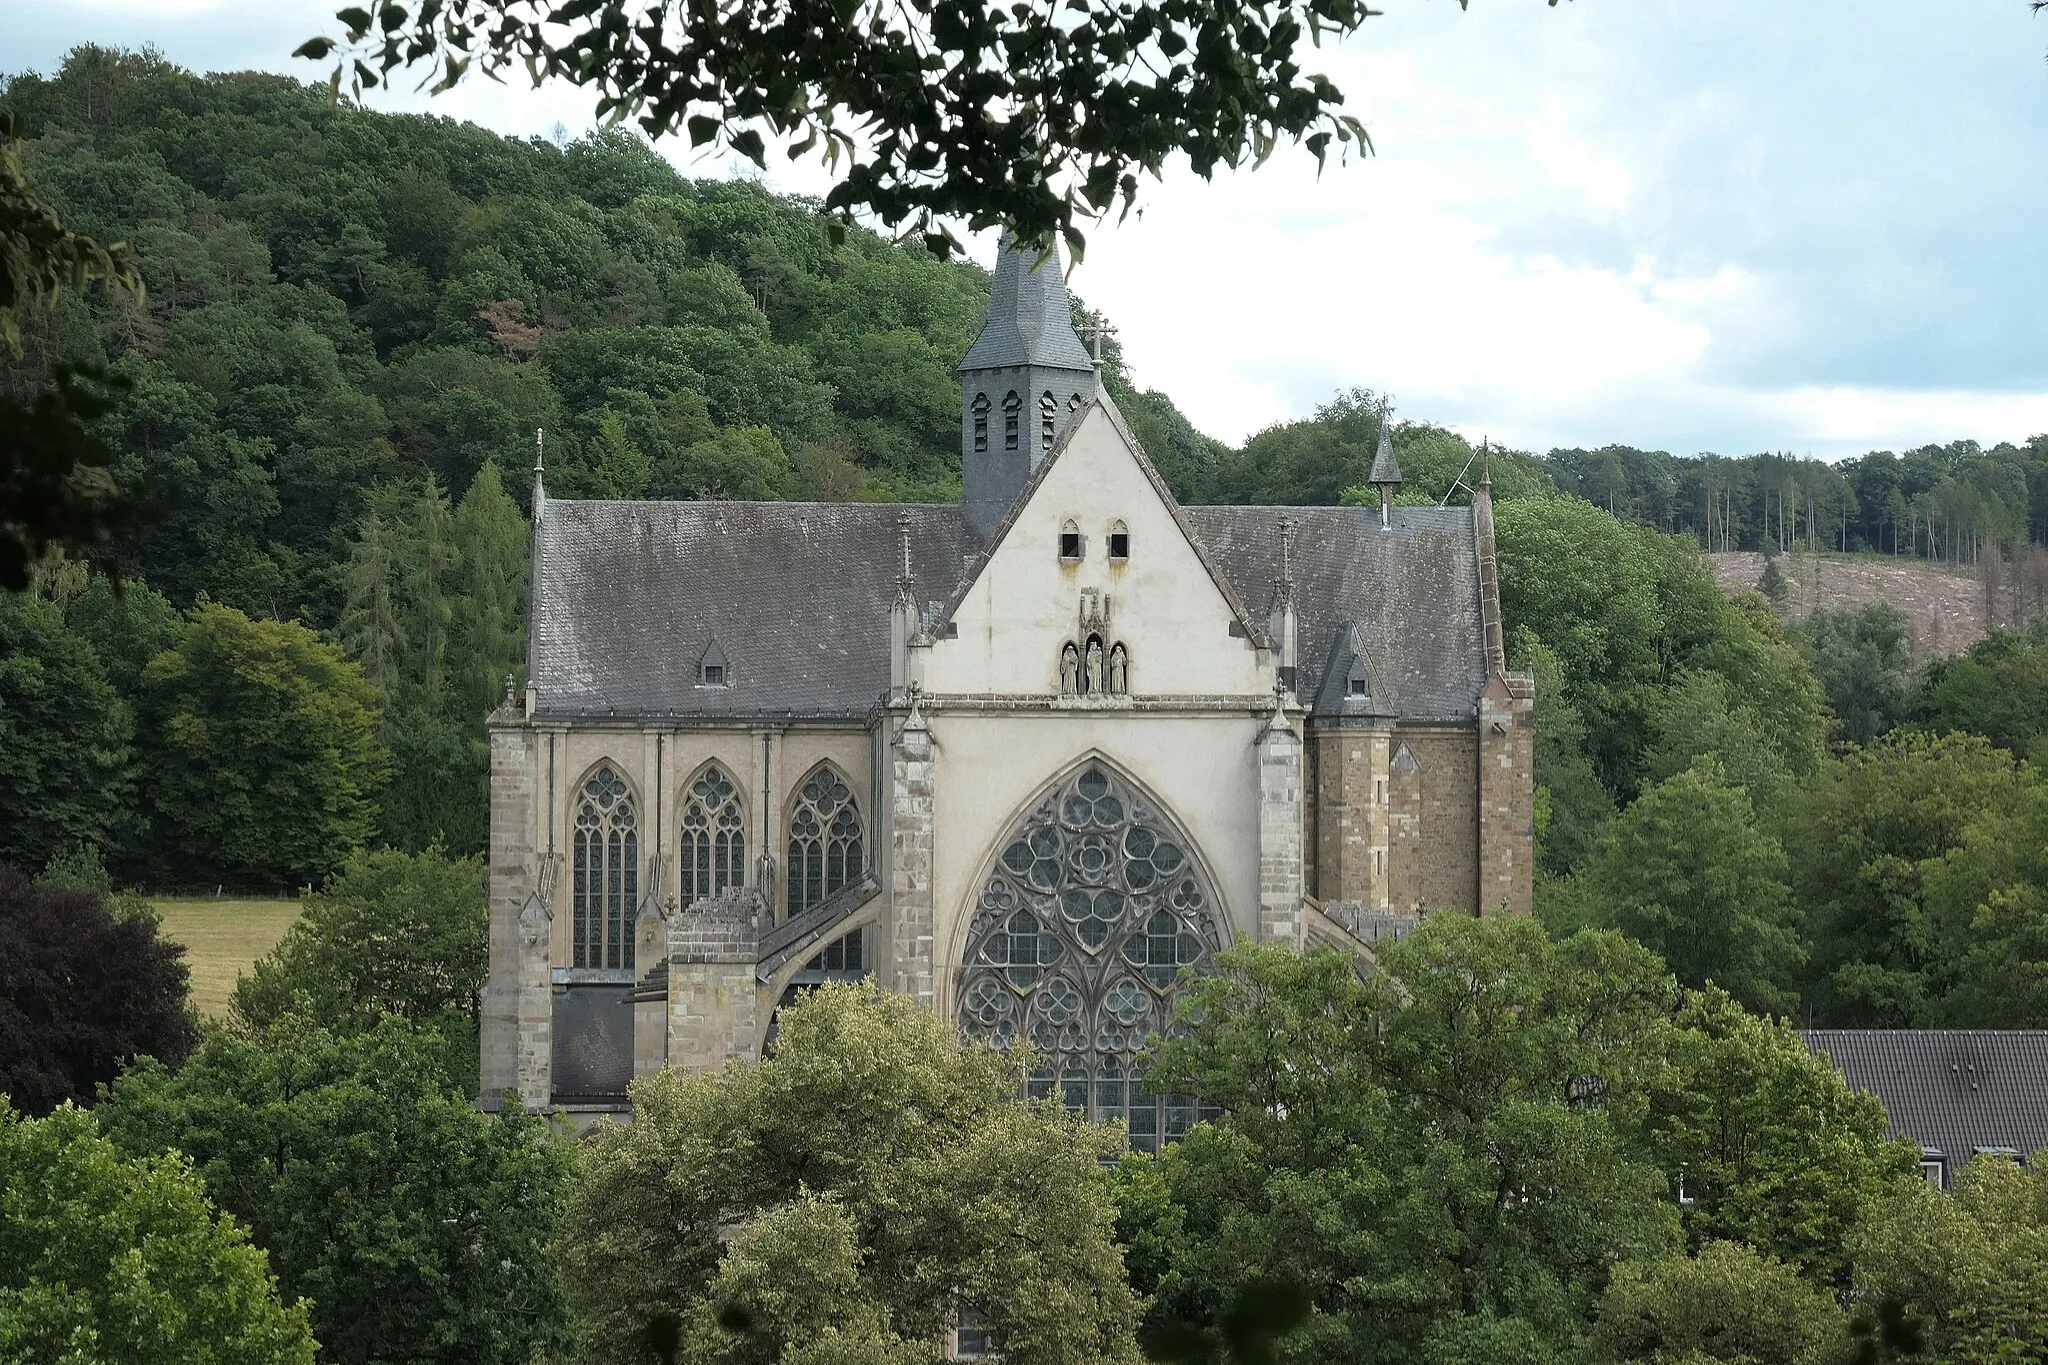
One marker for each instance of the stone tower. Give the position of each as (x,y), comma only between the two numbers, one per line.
(1020,382)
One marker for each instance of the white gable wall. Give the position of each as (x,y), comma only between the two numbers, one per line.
(1170,616)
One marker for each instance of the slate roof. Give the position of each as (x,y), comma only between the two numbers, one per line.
(1385,468)
(628,596)
(1029,320)
(1952,1090)
(1412,591)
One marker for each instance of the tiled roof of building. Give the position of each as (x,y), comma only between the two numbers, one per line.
(1411,590)
(1029,320)
(1955,1091)
(629,597)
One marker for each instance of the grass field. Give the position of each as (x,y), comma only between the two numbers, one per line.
(222,938)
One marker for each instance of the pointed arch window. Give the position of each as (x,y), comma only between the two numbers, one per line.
(979,410)
(1048,409)
(1012,407)
(826,840)
(605,880)
(714,844)
(1086,920)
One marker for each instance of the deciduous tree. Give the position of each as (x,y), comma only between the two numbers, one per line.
(416,1226)
(842,1199)
(1687,872)
(928,113)
(82,992)
(1725,1304)
(1765,1141)
(66,737)
(392,933)
(105,1258)
(265,765)
(1430,1155)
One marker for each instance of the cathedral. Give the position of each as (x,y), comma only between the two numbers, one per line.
(1028,759)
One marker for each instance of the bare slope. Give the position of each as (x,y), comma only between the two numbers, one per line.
(1945,606)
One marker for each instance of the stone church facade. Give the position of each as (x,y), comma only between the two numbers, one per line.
(1026,759)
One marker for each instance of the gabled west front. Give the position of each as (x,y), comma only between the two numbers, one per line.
(1026,759)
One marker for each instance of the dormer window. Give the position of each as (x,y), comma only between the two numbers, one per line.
(1012,406)
(1070,542)
(1119,541)
(1355,682)
(980,411)
(711,669)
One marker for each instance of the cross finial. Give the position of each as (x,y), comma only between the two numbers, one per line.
(1095,329)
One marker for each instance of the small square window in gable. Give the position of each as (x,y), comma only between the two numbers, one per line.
(1070,542)
(1119,541)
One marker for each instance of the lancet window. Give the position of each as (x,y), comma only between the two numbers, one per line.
(1012,406)
(605,878)
(714,844)
(979,408)
(1048,408)
(1084,925)
(826,845)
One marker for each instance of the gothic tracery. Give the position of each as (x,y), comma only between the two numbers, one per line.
(825,840)
(1085,921)
(604,891)
(714,840)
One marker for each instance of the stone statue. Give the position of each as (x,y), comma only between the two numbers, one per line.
(1095,667)
(1116,670)
(1070,669)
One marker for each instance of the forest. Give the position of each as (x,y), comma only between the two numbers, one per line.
(356,326)
(1587,1135)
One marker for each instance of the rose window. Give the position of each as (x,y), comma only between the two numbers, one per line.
(1089,915)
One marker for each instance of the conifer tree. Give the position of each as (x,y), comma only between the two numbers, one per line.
(491,540)
(429,570)
(370,631)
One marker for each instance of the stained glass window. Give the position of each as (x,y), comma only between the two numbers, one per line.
(714,845)
(1085,922)
(825,840)
(605,880)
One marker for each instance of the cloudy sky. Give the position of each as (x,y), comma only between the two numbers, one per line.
(1818,226)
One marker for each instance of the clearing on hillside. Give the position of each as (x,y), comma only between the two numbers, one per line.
(1946,606)
(222,940)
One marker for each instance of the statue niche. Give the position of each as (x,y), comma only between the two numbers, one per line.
(1092,662)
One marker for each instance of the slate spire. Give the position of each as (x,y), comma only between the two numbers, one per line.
(1021,382)
(1386,470)
(1029,319)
